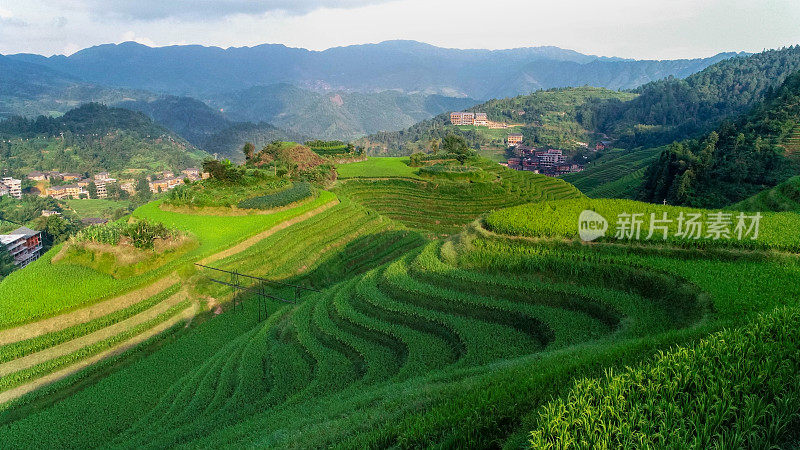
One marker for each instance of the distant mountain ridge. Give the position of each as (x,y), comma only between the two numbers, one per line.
(408,66)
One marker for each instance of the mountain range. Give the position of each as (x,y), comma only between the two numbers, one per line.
(408,66)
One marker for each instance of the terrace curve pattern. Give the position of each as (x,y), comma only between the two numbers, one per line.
(436,313)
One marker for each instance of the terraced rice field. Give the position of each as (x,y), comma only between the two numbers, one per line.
(783,197)
(444,207)
(469,341)
(616,175)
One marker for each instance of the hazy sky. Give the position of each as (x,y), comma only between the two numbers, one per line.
(663,29)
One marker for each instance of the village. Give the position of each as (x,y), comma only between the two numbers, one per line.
(67,185)
(551,162)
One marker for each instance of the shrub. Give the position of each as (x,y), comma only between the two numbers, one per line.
(297,192)
(142,233)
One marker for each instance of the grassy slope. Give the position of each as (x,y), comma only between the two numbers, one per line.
(784,197)
(456,345)
(23,298)
(96,207)
(336,370)
(387,167)
(614,175)
(443,206)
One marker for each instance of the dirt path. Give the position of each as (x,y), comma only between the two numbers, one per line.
(56,323)
(253,240)
(97,310)
(14,393)
(100,309)
(91,338)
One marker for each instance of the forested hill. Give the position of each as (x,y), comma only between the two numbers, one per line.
(674,109)
(91,138)
(736,160)
(549,117)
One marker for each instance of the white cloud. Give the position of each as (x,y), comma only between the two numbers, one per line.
(626,28)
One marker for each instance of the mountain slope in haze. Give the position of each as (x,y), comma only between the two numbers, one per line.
(93,138)
(191,119)
(674,109)
(335,115)
(735,161)
(409,66)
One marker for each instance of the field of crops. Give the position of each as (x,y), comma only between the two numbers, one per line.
(482,339)
(429,347)
(560,219)
(444,206)
(293,194)
(615,175)
(378,168)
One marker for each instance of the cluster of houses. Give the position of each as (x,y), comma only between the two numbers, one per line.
(78,188)
(550,162)
(77,185)
(169,181)
(477,119)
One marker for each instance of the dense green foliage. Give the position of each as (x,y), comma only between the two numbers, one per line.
(92,138)
(141,234)
(333,148)
(734,162)
(293,194)
(676,109)
(228,185)
(739,388)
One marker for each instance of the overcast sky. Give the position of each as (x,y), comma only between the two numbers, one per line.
(665,29)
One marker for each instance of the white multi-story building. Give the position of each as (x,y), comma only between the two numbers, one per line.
(14,187)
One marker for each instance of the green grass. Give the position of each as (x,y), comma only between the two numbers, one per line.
(378,168)
(23,298)
(616,174)
(22,348)
(97,207)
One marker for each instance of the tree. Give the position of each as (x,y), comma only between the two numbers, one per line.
(55,228)
(143,193)
(6,263)
(249,151)
(92,188)
(416,159)
(434,145)
(457,146)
